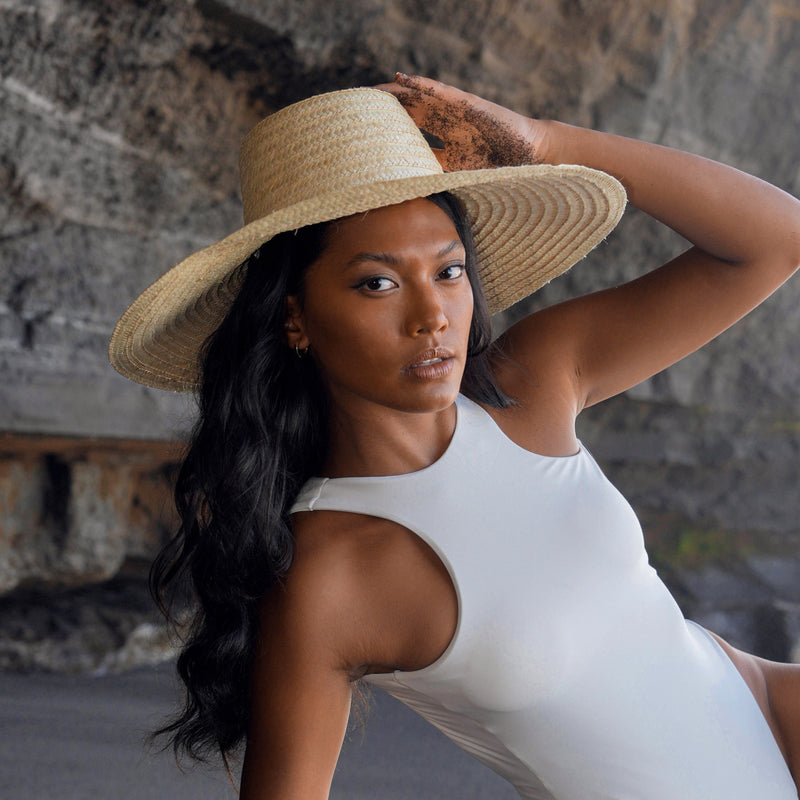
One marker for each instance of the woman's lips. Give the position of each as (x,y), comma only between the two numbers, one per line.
(432,363)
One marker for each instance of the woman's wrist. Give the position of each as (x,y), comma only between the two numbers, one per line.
(544,140)
(563,143)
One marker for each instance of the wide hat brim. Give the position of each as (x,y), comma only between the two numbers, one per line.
(531,223)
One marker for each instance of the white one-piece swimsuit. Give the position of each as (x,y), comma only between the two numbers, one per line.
(572,672)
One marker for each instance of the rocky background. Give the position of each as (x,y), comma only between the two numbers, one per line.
(120,122)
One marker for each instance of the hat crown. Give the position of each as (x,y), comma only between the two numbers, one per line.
(329,143)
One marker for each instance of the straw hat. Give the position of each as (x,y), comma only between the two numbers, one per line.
(339,154)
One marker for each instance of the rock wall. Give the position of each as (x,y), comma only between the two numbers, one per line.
(74,511)
(80,520)
(119,127)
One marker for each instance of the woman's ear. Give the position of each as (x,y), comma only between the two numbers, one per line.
(295,325)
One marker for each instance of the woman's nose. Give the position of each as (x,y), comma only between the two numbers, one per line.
(426,313)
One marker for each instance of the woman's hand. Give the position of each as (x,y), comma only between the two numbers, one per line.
(476,133)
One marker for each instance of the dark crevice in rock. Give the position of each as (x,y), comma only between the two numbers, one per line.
(19,234)
(280,76)
(244,45)
(17,295)
(233,55)
(28,329)
(56,496)
(247,28)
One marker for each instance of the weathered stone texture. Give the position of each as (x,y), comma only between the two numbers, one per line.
(80,521)
(73,512)
(119,126)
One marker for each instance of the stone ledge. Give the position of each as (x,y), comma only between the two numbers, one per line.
(73,509)
(34,445)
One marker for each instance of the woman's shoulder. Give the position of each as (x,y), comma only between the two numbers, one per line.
(365,585)
(347,556)
(333,541)
(329,550)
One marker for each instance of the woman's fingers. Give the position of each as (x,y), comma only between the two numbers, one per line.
(425,108)
(435,118)
(476,133)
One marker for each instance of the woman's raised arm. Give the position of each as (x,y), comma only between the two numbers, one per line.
(745,235)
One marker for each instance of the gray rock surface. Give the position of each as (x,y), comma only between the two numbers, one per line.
(119,127)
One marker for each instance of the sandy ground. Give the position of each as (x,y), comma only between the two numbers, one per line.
(81,738)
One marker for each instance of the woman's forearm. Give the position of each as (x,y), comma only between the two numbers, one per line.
(725,212)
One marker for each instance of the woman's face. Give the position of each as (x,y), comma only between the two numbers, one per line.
(387,309)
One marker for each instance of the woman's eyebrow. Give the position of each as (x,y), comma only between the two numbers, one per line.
(388,258)
(382,258)
(448,248)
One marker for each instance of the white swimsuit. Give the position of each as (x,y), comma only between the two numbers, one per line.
(572,672)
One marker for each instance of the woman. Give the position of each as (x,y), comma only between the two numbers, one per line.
(348,514)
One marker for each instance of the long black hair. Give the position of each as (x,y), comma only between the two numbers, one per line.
(262,431)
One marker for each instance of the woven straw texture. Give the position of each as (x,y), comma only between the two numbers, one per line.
(344,153)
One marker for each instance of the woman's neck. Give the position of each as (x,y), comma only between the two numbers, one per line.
(376,440)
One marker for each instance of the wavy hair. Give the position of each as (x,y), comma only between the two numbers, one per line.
(262,431)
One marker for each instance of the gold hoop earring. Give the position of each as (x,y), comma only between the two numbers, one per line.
(301,353)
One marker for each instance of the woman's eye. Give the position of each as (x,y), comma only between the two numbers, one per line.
(452,272)
(376,284)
